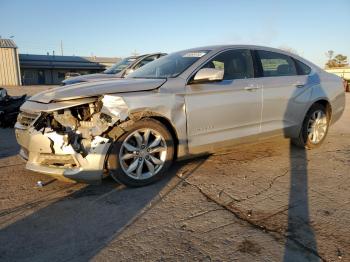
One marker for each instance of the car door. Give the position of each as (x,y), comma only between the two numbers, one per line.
(219,112)
(284,91)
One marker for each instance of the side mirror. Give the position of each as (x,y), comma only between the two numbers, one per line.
(128,71)
(208,75)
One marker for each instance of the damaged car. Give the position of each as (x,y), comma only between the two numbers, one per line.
(9,108)
(185,104)
(117,71)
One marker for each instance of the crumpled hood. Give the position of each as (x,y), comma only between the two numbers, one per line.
(90,89)
(89,78)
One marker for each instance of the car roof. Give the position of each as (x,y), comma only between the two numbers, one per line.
(219,47)
(254,47)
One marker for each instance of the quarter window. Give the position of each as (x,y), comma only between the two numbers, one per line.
(237,64)
(275,64)
(302,68)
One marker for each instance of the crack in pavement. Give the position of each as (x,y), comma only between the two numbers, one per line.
(234,199)
(184,175)
(239,215)
(201,214)
(219,227)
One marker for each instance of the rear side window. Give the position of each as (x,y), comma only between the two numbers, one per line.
(237,64)
(302,68)
(275,64)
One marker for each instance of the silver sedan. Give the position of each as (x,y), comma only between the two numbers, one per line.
(184,104)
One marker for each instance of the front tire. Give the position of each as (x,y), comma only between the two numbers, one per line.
(314,129)
(142,154)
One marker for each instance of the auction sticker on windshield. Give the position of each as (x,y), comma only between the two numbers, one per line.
(194,54)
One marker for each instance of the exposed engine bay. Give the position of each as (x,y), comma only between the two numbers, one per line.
(70,139)
(78,126)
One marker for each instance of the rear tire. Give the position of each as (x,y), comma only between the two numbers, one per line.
(142,154)
(314,129)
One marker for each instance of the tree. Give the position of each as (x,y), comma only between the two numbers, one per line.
(341,60)
(336,61)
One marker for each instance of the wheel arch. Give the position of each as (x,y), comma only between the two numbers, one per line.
(166,122)
(162,119)
(324,102)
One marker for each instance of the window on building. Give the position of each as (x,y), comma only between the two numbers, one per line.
(61,75)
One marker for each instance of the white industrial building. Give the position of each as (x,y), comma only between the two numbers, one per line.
(29,69)
(9,63)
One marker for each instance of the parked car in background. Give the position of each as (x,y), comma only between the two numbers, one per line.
(71,74)
(118,70)
(9,108)
(187,103)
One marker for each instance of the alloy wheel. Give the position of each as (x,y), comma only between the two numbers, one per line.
(143,153)
(317,126)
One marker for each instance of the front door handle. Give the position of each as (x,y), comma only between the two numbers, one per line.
(299,85)
(251,88)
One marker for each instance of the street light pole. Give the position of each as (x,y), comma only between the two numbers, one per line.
(61,47)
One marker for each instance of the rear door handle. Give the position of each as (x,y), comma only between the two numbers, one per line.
(299,85)
(251,88)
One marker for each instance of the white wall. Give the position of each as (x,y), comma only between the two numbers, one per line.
(9,67)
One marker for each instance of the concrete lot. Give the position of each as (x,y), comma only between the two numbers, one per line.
(259,202)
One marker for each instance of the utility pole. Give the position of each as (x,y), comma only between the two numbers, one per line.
(134,53)
(61,48)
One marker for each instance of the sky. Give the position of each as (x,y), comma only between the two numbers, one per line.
(120,28)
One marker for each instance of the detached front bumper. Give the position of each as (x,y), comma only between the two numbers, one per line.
(46,152)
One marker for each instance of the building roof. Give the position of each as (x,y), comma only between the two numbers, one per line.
(63,62)
(7,43)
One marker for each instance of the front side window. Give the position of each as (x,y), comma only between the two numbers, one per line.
(275,64)
(237,64)
(169,66)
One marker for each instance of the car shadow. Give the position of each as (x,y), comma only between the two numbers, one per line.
(8,144)
(79,225)
(299,229)
(300,233)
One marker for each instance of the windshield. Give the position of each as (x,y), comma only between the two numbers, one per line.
(169,66)
(121,65)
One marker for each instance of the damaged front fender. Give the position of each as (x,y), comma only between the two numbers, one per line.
(73,142)
(135,106)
